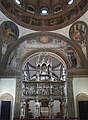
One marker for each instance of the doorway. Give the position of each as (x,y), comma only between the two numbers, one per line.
(5,110)
(83,110)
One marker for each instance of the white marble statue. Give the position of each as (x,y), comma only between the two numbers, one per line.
(37,106)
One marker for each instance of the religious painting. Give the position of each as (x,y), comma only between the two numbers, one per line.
(13,59)
(78,31)
(9,32)
(73,57)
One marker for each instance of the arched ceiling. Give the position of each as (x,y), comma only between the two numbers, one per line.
(25,42)
(44,14)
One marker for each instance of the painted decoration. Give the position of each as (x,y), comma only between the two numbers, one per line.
(9,32)
(78,31)
(62,46)
(44,39)
(72,56)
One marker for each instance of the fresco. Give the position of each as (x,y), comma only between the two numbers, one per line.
(62,46)
(44,40)
(13,59)
(9,33)
(72,56)
(78,31)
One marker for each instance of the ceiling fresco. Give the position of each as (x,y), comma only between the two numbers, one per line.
(41,41)
(9,33)
(44,14)
(78,31)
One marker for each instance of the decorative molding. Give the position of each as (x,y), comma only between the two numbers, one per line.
(44,22)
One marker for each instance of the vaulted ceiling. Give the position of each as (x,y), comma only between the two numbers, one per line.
(44,14)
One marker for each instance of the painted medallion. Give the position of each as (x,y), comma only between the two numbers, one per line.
(78,31)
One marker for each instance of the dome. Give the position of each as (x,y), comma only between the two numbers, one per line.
(44,14)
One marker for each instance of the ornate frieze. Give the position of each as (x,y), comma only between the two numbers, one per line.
(44,22)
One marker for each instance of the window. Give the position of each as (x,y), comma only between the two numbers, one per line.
(18,2)
(70,2)
(57,8)
(44,11)
(31,8)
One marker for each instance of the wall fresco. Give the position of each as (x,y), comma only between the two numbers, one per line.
(78,31)
(9,33)
(54,43)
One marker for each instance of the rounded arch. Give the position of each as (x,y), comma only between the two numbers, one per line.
(58,55)
(6,97)
(80,97)
(33,35)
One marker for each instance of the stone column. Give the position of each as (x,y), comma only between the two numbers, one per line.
(70,98)
(18,97)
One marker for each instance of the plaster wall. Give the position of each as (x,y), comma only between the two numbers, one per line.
(80,85)
(8,85)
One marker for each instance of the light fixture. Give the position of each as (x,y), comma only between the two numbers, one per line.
(70,2)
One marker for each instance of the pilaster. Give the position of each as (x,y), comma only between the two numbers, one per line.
(18,97)
(70,98)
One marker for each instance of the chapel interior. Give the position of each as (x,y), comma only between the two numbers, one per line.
(43,59)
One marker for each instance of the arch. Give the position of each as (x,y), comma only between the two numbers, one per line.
(33,35)
(7,97)
(58,55)
(80,97)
